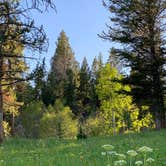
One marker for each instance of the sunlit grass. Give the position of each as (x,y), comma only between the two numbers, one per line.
(52,152)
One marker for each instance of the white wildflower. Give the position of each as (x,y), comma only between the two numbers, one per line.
(132,153)
(121,156)
(150,160)
(112,153)
(120,163)
(103,153)
(145,149)
(138,163)
(108,147)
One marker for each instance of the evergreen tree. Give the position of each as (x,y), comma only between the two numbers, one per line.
(115,60)
(38,76)
(70,90)
(49,91)
(96,67)
(95,70)
(139,27)
(84,89)
(63,62)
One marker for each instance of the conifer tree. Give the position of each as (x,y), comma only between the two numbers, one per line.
(39,75)
(70,91)
(115,60)
(84,89)
(63,61)
(95,70)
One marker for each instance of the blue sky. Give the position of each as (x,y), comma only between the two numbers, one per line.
(82,20)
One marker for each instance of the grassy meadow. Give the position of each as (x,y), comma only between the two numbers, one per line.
(87,152)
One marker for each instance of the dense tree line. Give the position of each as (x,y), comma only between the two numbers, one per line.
(73,100)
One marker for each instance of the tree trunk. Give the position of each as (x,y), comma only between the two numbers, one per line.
(1,115)
(1,101)
(13,125)
(113,122)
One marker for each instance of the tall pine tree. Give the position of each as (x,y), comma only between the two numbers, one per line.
(95,70)
(64,69)
(84,89)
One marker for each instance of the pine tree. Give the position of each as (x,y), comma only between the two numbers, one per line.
(84,89)
(115,60)
(39,75)
(70,91)
(139,27)
(95,70)
(63,61)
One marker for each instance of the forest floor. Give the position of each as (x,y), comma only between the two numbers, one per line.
(87,152)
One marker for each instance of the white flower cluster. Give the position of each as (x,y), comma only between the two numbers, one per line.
(120,163)
(145,149)
(138,163)
(108,147)
(122,158)
(132,153)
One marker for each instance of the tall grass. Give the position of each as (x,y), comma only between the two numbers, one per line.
(87,152)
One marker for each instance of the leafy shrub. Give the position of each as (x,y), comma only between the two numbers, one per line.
(47,125)
(58,124)
(6,128)
(31,118)
(93,126)
(67,127)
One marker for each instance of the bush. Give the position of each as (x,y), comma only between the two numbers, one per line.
(6,128)
(47,125)
(30,118)
(58,124)
(93,126)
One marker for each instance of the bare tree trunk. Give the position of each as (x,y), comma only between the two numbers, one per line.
(1,101)
(13,125)
(1,115)
(113,122)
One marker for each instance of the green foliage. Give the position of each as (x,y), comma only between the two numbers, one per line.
(47,125)
(114,60)
(63,61)
(38,76)
(95,70)
(137,26)
(30,118)
(93,126)
(58,124)
(58,106)
(6,129)
(119,114)
(84,97)
(70,90)
(66,125)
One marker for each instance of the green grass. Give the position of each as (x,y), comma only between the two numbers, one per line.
(52,152)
